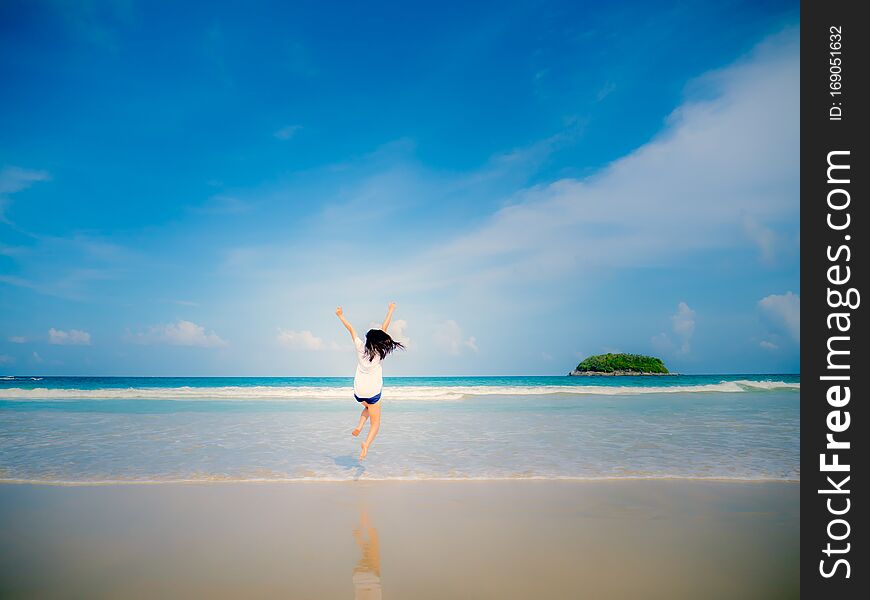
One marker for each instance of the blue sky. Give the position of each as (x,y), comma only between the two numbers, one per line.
(192,191)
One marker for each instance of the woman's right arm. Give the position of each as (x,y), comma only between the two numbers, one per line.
(389,316)
(340,314)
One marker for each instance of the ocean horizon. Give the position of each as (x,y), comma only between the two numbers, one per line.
(91,430)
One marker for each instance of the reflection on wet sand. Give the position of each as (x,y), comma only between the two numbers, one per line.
(509,540)
(367,573)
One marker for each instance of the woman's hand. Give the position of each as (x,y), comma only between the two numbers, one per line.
(392,306)
(339,312)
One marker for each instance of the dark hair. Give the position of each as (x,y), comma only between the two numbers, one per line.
(379,342)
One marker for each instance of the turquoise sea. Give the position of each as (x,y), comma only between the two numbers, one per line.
(136,429)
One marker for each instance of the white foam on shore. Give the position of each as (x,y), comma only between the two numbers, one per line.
(289,393)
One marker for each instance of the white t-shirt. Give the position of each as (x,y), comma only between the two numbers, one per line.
(368,380)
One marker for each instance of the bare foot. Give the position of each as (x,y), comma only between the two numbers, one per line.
(364,451)
(355,432)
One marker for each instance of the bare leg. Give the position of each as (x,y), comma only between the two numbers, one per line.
(375,415)
(362,421)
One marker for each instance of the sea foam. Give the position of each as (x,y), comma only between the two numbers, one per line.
(399,393)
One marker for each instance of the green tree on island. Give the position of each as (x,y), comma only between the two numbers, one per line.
(622,363)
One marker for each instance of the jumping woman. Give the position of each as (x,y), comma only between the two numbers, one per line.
(368,382)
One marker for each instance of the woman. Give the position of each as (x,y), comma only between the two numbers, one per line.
(368,382)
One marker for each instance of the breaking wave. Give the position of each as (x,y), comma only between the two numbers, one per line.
(414,393)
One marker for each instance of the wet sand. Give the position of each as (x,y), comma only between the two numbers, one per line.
(436,539)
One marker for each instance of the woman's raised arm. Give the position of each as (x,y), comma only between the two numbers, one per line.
(389,316)
(340,314)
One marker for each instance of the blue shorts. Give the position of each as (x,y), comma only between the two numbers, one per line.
(373,400)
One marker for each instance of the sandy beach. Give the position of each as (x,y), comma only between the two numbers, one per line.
(435,539)
(412,300)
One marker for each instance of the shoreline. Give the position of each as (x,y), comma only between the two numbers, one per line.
(303,480)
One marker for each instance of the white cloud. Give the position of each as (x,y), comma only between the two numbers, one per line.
(37,358)
(722,158)
(285,133)
(604,91)
(180,333)
(768,345)
(15,179)
(449,336)
(719,159)
(186,303)
(683,325)
(73,337)
(305,340)
(17,339)
(67,266)
(5,359)
(783,312)
(398,331)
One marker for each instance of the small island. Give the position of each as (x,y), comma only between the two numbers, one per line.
(621,364)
